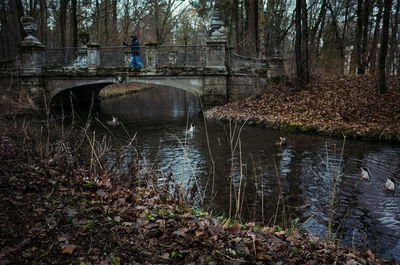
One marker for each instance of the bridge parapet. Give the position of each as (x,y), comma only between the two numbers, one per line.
(152,56)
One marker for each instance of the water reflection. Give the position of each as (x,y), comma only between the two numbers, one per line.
(364,216)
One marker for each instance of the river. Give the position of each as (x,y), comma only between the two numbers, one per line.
(365,215)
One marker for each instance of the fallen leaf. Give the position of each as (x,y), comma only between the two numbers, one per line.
(234,229)
(180,232)
(127,223)
(68,249)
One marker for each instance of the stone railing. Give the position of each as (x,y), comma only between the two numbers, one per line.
(240,63)
(151,56)
(10,65)
(270,67)
(65,57)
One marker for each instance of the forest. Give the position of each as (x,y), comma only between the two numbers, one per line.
(330,36)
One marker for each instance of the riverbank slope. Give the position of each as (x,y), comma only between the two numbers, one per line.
(330,105)
(55,209)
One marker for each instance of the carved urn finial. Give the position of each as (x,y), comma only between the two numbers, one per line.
(84,37)
(218,31)
(217,19)
(29,27)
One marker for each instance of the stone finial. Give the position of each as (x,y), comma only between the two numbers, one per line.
(29,27)
(218,31)
(217,19)
(219,34)
(84,37)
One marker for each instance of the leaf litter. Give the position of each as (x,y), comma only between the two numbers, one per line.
(330,105)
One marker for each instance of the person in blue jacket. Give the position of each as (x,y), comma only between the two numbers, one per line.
(135,60)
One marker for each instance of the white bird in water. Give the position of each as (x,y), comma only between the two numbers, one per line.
(191,129)
(282,141)
(114,121)
(389,185)
(364,173)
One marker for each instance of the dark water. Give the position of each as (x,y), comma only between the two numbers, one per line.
(365,215)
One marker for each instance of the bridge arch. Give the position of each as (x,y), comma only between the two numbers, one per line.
(81,91)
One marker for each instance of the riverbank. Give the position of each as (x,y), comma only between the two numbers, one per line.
(60,212)
(331,105)
(60,205)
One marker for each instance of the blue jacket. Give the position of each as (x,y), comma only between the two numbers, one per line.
(134,45)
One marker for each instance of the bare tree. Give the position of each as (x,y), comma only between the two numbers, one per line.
(374,44)
(301,45)
(166,15)
(383,49)
(43,21)
(10,35)
(63,21)
(393,39)
(252,47)
(74,24)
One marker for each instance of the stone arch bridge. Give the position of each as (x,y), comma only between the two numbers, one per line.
(213,71)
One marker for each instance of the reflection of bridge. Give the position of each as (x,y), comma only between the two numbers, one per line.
(213,71)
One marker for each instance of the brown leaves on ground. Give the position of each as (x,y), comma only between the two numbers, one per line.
(330,105)
(53,216)
(116,90)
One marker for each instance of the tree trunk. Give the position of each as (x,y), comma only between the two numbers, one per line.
(364,39)
(383,49)
(314,30)
(252,28)
(74,24)
(268,28)
(43,21)
(20,12)
(114,16)
(374,44)
(359,34)
(32,8)
(338,40)
(393,40)
(304,44)
(98,21)
(298,52)
(342,39)
(261,29)
(10,34)
(106,12)
(63,21)
(237,26)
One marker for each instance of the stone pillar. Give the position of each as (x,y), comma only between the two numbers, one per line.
(32,54)
(32,51)
(216,55)
(215,80)
(151,56)
(275,68)
(93,52)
